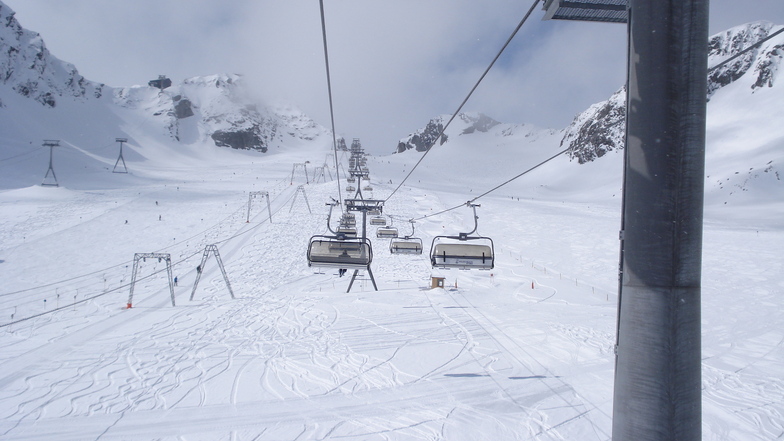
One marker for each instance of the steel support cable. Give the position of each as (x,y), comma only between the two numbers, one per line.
(240,233)
(331,109)
(460,107)
(21,154)
(755,45)
(470,201)
(218,224)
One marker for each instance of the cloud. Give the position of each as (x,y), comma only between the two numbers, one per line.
(394,64)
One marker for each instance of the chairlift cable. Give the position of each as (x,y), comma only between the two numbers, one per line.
(757,44)
(470,201)
(329,92)
(460,107)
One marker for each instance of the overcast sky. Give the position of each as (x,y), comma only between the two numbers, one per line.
(394,63)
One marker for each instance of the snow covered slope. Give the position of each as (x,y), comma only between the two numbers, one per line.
(42,97)
(524,351)
(745,139)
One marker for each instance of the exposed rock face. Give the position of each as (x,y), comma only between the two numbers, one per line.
(183,108)
(423,139)
(598,130)
(601,128)
(477,123)
(248,139)
(27,66)
(761,62)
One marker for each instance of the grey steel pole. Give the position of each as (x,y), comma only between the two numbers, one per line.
(657,392)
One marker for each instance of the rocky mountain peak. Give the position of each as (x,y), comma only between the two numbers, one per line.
(601,128)
(31,71)
(466,123)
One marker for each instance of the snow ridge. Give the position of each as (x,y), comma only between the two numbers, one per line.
(32,71)
(600,128)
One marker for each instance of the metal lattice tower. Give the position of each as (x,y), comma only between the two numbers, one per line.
(252,195)
(304,166)
(143,257)
(211,249)
(300,189)
(51,143)
(120,158)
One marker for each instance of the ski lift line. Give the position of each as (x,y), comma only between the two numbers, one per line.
(329,92)
(755,45)
(29,152)
(460,107)
(87,299)
(240,233)
(59,282)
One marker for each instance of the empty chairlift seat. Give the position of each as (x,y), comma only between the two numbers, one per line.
(409,245)
(462,253)
(334,252)
(386,232)
(347,231)
(378,220)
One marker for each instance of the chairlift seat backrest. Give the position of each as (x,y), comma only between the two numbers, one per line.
(388,232)
(378,221)
(411,245)
(474,253)
(332,252)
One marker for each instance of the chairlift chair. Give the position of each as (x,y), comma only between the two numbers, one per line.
(406,245)
(386,232)
(351,188)
(378,220)
(339,252)
(351,180)
(367,188)
(347,231)
(463,251)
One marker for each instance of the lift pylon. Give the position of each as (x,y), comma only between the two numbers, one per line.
(252,195)
(300,189)
(211,249)
(120,158)
(304,166)
(143,257)
(51,143)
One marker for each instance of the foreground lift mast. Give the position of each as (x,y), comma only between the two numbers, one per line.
(657,393)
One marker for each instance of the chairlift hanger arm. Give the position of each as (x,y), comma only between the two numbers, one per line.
(329,216)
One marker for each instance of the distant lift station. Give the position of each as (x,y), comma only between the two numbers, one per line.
(606,11)
(161,83)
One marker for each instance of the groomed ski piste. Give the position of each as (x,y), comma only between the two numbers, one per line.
(524,351)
